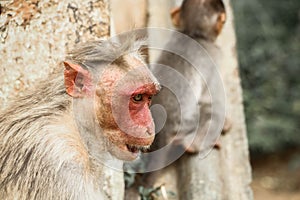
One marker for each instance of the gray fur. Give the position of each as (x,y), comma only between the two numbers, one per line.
(42,151)
(189,124)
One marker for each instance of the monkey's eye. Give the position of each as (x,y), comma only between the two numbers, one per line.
(138,97)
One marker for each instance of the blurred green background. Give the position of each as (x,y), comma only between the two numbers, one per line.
(268,34)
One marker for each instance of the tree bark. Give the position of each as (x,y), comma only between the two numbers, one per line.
(234,154)
(128,15)
(34,37)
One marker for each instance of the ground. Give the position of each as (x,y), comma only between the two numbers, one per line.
(277,176)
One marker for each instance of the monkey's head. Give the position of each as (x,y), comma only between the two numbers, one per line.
(200,18)
(122,96)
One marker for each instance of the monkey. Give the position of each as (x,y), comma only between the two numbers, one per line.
(54,137)
(189,130)
(200,19)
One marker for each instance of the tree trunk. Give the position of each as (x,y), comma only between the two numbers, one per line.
(236,169)
(128,14)
(34,37)
(224,173)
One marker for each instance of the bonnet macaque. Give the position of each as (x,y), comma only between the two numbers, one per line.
(53,138)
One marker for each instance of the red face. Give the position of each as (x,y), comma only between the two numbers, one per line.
(123,97)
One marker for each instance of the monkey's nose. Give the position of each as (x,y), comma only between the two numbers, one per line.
(150,131)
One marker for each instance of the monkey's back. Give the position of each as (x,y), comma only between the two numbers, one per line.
(183,116)
(37,157)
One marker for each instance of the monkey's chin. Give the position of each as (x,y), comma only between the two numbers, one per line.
(128,152)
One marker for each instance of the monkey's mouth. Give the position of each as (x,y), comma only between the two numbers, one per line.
(136,148)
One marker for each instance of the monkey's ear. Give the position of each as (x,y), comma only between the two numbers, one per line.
(78,81)
(220,22)
(175,16)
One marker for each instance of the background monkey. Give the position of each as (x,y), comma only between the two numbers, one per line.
(54,138)
(202,20)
